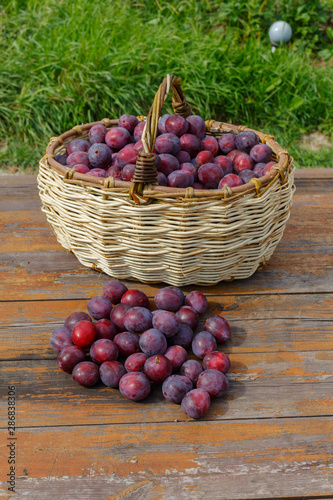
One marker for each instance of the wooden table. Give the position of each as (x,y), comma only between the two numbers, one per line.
(269,437)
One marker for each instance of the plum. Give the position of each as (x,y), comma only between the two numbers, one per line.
(197,301)
(196,126)
(111,372)
(168,163)
(214,382)
(219,327)
(242,162)
(77,145)
(60,338)
(191,144)
(81,168)
(86,373)
(114,290)
(175,387)
(62,159)
(209,143)
(161,179)
(204,157)
(189,167)
(127,343)
(127,172)
(105,329)
(210,175)
(192,369)
(97,133)
(117,137)
(138,131)
(261,153)
(267,168)
(75,318)
(196,403)
(227,143)
(216,360)
(135,362)
(180,179)
(117,315)
(138,320)
(103,350)
(203,343)
(114,171)
(135,298)
(153,342)
(183,157)
(258,168)
(234,153)
(225,163)
(166,322)
(83,333)
(78,157)
(188,316)
(100,156)
(127,155)
(69,357)
(247,175)
(98,172)
(176,124)
(99,307)
(231,180)
(169,298)
(168,143)
(177,356)
(129,122)
(157,368)
(135,386)
(161,124)
(246,140)
(183,337)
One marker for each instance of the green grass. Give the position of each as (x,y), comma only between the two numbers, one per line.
(65,63)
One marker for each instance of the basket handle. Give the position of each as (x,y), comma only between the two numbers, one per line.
(145,171)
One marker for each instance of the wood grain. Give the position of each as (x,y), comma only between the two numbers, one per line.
(260,323)
(270,436)
(196,460)
(264,384)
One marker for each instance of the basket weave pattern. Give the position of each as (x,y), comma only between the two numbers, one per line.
(176,236)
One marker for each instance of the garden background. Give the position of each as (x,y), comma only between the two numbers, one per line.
(66,63)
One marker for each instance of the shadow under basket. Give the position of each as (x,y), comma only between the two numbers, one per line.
(139,230)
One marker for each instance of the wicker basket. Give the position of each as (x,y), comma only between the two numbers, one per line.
(143,231)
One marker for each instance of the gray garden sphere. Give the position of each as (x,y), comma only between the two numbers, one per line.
(280,32)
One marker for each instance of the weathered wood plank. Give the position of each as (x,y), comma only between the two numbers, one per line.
(260,323)
(262,385)
(313,173)
(198,460)
(50,275)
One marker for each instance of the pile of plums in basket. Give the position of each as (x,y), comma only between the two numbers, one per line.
(131,347)
(185,156)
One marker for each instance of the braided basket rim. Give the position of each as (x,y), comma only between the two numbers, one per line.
(257,186)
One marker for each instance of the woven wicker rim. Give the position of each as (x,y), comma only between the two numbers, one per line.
(142,192)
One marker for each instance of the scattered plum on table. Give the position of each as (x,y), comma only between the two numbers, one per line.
(86,373)
(196,403)
(135,386)
(175,387)
(214,382)
(111,372)
(153,342)
(69,357)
